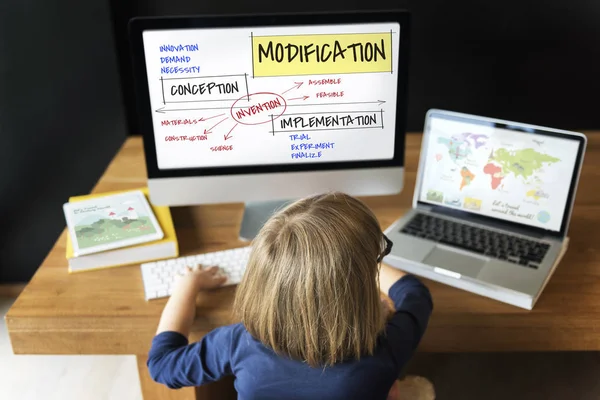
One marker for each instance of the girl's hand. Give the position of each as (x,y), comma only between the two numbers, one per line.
(200,278)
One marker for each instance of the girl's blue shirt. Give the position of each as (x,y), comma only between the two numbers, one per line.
(262,374)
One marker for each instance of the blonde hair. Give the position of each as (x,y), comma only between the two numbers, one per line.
(310,291)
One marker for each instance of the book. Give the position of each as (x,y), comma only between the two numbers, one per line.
(110,222)
(164,246)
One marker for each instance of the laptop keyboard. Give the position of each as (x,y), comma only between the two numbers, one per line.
(527,253)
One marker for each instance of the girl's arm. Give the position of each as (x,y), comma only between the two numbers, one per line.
(412,309)
(180,310)
(172,360)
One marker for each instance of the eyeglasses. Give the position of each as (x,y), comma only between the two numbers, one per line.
(388,248)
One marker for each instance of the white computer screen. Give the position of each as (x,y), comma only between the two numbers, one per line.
(497,172)
(276,95)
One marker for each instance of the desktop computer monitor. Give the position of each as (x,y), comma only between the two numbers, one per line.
(271,108)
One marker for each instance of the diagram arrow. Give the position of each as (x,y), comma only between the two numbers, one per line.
(162,110)
(209,130)
(206,119)
(378,102)
(296,86)
(225,137)
(299,98)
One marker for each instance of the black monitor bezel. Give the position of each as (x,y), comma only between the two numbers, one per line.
(140,24)
(501,223)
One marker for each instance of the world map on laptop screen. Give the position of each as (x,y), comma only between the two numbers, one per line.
(496,172)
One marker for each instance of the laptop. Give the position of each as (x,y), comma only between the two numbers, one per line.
(492,205)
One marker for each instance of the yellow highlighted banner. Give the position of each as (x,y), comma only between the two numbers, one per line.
(321,54)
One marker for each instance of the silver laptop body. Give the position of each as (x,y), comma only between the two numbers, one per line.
(491,206)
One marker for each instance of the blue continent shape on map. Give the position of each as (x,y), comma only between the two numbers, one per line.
(458,148)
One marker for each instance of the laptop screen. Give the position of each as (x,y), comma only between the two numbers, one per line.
(506,172)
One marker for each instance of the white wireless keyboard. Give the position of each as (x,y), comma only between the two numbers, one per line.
(159,276)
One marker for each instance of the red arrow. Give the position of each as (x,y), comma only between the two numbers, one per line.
(225,137)
(300,98)
(296,86)
(206,119)
(206,131)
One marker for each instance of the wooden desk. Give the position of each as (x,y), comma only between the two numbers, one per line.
(104,312)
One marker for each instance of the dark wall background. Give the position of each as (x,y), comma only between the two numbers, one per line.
(66,100)
(61,119)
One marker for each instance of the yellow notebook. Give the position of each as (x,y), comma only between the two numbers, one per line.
(167,247)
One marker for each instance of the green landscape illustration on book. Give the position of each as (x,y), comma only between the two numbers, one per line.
(103,225)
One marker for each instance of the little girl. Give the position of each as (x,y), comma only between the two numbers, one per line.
(312,322)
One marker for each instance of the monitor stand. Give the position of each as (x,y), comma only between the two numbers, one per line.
(256,213)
